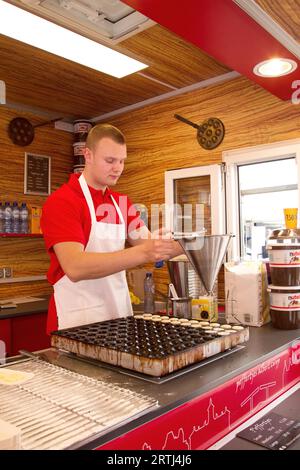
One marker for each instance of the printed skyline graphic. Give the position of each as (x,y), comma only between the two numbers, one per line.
(200,423)
(251,398)
(179,440)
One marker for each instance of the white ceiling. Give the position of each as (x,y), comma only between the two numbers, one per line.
(109,21)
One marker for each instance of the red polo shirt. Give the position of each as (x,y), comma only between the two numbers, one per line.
(66,218)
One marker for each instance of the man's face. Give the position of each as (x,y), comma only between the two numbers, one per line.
(105,163)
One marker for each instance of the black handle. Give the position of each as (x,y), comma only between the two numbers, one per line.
(186,121)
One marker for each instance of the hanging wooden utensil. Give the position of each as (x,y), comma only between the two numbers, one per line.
(209,134)
(21,131)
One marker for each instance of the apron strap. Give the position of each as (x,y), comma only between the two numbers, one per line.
(89,200)
(118,210)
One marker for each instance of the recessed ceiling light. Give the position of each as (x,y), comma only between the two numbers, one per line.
(275,67)
(38,32)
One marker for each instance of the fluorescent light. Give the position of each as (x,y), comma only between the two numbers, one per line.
(38,32)
(275,67)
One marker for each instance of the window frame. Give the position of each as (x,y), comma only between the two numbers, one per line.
(249,155)
(216,190)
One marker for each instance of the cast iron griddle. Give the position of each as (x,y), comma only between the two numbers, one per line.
(146,346)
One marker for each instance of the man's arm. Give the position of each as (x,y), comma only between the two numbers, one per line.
(78,264)
(139,236)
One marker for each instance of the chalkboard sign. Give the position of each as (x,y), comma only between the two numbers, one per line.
(37,174)
(273,431)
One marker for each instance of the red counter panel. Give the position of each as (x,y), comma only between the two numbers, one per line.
(204,420)
(24,332)
(6,335)
(29,332)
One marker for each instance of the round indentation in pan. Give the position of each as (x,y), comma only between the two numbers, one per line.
(199,340)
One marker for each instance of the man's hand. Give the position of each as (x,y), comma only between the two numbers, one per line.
(79,265)
(157,249)
(157,246)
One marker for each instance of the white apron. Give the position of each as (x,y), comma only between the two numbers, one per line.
(94,300)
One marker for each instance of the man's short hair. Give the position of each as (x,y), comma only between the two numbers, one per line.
(100,131)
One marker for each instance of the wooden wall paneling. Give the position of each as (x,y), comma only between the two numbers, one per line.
(30,255)
(158,142)
(26,256)
(20,289)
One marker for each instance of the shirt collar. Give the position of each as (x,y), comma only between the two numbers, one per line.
(74,183)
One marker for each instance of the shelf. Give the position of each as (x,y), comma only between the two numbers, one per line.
(21,235)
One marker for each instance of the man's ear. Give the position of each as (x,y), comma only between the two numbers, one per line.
(87,155)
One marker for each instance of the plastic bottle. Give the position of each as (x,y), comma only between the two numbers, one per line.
(149,289)
(7,218)
(23,218)
(1,218)
(15,218)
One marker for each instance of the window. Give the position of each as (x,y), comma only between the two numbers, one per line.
(198,197)
(265,189)
(260,183)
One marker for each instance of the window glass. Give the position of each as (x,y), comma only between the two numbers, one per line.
(194,204)
(265,189)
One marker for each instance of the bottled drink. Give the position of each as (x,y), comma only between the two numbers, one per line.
(7,218)
(149,289)
(23,218)
(15,218)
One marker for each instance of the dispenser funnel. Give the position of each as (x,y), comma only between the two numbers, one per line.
(206,253)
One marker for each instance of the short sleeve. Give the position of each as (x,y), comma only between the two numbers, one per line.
(61,222)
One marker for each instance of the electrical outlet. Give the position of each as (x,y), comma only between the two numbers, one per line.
(1,273)
(8,272)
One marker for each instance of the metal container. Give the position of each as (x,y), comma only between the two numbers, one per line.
(178,271)
(181,308)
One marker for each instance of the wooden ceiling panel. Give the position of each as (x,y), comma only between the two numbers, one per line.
(286,13)
(170,58)
(43,81)
(38,79)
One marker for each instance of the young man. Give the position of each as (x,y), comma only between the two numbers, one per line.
(85,225)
